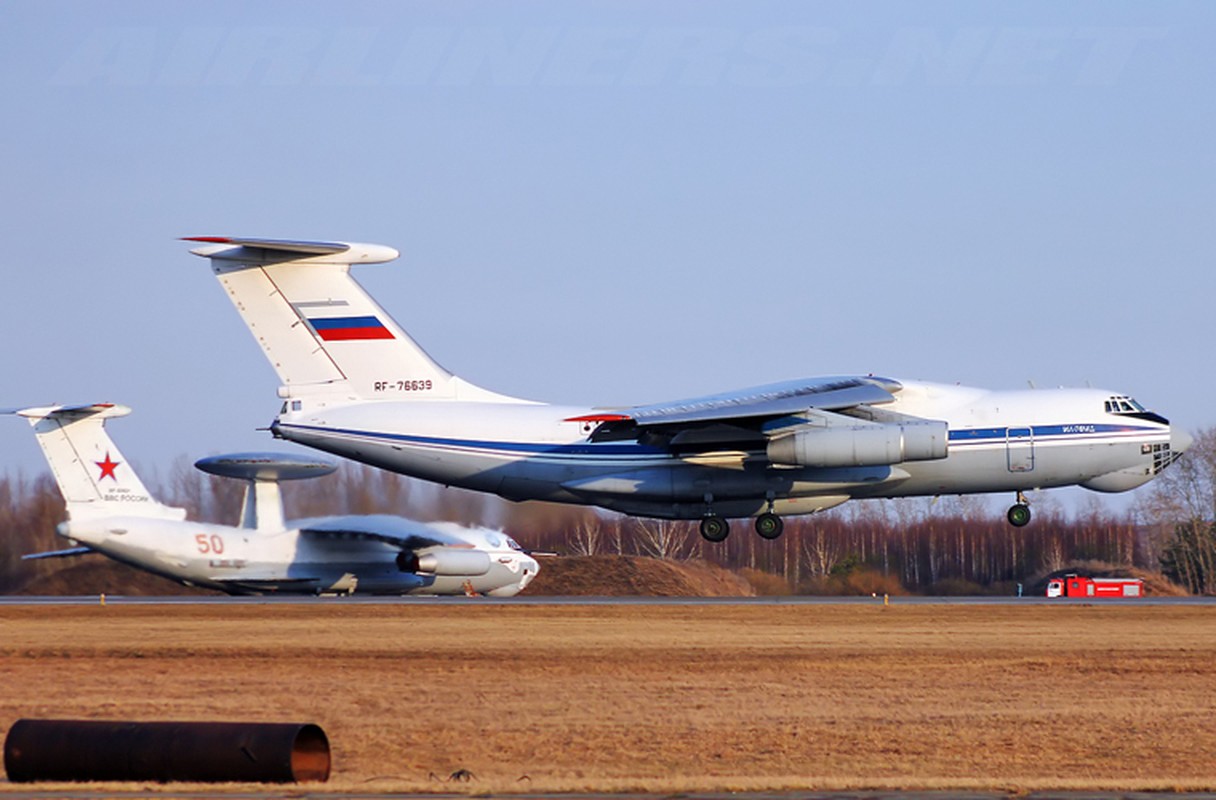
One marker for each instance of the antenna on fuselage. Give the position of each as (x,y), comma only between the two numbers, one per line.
(262,507)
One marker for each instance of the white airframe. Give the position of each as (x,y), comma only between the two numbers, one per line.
(355,384)
(111,512)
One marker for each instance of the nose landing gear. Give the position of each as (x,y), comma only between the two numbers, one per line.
(1019,513)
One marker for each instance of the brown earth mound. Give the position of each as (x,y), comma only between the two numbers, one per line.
(95,574)
(608,576)
(1155,584)
(596,576)
(619,576)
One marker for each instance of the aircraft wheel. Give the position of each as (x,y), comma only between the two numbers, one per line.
(1018,515)
(714,528)
(769,525)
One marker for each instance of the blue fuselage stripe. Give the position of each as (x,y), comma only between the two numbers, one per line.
(957,437)
(1049,432)
(523,448)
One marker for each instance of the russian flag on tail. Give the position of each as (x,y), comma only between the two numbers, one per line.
(345,329)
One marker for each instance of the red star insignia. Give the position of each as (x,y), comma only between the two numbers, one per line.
(108,467)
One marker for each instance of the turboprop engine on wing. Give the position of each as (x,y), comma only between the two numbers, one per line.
(447,561)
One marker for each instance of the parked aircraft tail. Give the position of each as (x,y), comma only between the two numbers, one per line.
(327,339)
(94,477)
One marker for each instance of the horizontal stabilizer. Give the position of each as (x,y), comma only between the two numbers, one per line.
(106,410)
(265,251)
(69,553)
(285,245)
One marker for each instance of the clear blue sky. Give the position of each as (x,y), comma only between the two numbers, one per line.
(613,202)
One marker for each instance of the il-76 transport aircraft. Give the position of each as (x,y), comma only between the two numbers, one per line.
(355,384)
(110,512)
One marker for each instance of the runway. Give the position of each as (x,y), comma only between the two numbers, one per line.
(298,794)
(205,600)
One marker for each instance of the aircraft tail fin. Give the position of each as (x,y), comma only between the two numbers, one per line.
(94,477)
(323,334)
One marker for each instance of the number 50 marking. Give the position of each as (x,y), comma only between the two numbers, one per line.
(209,544)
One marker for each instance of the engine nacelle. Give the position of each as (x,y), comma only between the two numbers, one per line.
(864,445)
(445,561)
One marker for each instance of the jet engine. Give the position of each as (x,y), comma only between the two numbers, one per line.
(445,561)
(859,445)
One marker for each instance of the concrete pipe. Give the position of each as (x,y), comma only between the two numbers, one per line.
(89,750)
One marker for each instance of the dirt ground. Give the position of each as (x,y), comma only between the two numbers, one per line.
(657,698)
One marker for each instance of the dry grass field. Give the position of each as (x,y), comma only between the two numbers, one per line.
(658,698)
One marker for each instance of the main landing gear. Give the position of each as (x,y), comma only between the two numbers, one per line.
(1019,513)
(769,525)
(715,529)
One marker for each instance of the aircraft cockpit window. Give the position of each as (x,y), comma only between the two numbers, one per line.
(1125,405)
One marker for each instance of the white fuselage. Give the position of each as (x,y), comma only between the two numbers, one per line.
(997,441)
(244,560)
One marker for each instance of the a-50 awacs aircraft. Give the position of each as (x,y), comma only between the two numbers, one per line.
(110,512)
(355,384)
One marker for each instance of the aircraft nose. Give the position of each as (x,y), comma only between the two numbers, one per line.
(1180,440)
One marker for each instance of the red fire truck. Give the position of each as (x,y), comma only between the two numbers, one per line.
(1080,586)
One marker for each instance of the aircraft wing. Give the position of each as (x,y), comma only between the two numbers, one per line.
(770,400)
(818,422)
(744,408)
(402,533)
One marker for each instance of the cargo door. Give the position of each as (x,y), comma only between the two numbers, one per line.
(1019,449)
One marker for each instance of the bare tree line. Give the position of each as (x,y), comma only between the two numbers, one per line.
(915,544)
